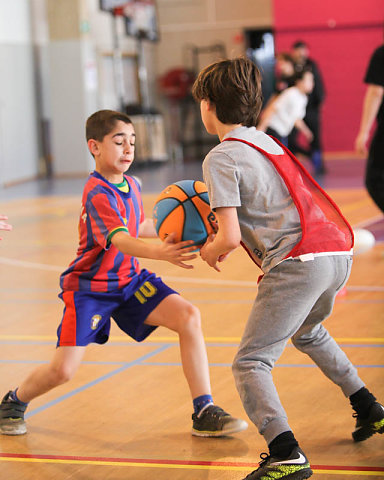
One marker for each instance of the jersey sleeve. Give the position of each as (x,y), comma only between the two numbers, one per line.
(105,216)
(375,71)
(221,177)
(142,215)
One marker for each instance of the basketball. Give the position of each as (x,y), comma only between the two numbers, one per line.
(364,241)
(183,208)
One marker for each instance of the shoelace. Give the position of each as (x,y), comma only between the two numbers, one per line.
(264,459)
(214,411)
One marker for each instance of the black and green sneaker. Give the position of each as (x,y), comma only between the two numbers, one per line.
(12,416)
(212,421)
(366,427)
(295,467)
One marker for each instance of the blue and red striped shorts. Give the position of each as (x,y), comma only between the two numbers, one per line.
(87,315)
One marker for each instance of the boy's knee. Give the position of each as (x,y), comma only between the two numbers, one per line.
(62,373)
(191,319)
(238,365)
(245,364)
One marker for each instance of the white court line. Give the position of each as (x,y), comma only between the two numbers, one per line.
(36,266)
(369,221)
(365,288)
(211,281)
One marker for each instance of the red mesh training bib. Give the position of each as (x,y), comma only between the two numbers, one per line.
(324,228)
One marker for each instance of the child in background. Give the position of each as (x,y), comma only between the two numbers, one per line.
(4,225)
(288,110)
(265,200)
(105,281)
(284,72)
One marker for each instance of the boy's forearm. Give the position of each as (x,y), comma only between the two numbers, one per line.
(302,127)
(265,117)
(228,236)
(372,101)
(134,246)
(222,244)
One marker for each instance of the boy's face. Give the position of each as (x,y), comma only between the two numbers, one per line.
(300,54)
(115,153)
(208,116)
(307,82)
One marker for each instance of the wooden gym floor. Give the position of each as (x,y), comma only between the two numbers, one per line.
(127,413)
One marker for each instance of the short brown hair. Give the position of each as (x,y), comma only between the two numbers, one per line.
(103,122)
(234,87)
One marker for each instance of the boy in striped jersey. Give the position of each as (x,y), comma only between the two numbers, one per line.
(105,281)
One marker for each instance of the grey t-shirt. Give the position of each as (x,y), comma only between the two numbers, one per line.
(237,175)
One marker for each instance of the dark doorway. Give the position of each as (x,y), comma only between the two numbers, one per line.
(261,49)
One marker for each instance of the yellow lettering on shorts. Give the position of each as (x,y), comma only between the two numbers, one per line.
(147,290)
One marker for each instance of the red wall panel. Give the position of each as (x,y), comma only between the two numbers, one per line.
(342,36)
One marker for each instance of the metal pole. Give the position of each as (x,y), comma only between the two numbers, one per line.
(118,65)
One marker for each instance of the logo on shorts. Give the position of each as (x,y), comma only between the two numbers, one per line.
(95,321)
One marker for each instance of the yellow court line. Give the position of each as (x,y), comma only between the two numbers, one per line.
(356,205)
(349,472)
(174,339)
(174,466)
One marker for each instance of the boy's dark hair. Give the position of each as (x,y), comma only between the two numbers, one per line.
(285,56)
(100,123)
(299,75)
(299,44)
(234,88)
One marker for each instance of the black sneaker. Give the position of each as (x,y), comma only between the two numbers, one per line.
(12,417)
(212,421)
(366,427)
(295,467)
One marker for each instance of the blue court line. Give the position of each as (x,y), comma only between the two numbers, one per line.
(89,362)
(194,301)
(125,366)
(113,343)
(36,301)
(140,361)
(287,365)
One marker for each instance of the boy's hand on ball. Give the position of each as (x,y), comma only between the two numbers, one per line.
(223,257)
(208,254)
(177,253)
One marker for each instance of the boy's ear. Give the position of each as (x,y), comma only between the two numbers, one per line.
(210,106)
(93,146)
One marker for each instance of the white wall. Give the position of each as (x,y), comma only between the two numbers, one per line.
(19,157)
(15,25)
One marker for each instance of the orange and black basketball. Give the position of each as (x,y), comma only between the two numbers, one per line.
(183,208)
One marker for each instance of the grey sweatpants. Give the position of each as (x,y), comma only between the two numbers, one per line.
(293,299)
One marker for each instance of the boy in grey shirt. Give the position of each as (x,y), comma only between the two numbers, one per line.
(265,200)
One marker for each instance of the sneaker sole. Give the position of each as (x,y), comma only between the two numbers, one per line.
(220,433)
(364,433)
(13,429)
(300,475)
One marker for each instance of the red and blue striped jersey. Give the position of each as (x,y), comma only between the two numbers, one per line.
(105,210)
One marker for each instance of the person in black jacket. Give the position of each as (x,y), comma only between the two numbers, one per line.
(373,109)
(300,55)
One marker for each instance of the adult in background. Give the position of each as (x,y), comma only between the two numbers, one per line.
(373,108)
(300,55)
